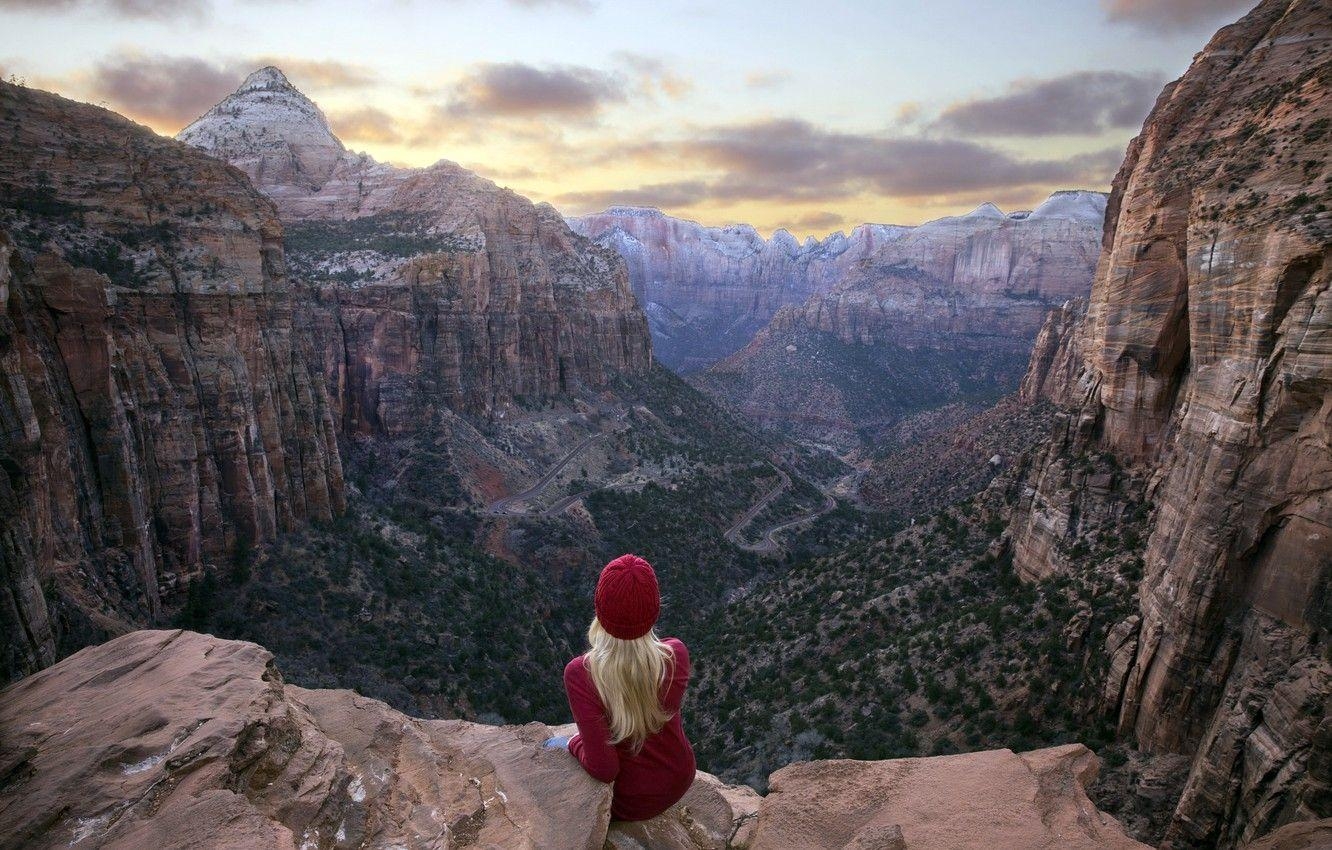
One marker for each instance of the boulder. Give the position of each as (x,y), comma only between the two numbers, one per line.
(983,800)
(176,739)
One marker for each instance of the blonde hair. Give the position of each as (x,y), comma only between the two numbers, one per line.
(628,675)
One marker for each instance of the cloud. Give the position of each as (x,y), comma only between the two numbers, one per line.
(1173,16)
(315,73)
(680,193)
(766,79)
(170,91)
(517,89)
(1081,103)
(167,91)
(795,161)
(582,5)
(367,124)
(817,220)
(654,75)
(140,9)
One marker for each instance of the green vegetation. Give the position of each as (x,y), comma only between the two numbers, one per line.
(916,643)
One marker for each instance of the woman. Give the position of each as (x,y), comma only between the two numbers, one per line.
(625,693)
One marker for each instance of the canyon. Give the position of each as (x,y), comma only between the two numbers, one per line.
(177,394)
(708,290)
(388,423)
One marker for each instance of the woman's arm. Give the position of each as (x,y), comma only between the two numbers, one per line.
(591,746)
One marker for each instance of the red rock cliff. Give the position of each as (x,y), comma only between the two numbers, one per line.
(434,286)
(159,408)
(1205,362)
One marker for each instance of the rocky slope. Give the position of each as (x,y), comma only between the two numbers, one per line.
(161,408)
(708,290)
(1204,363)
(944,314)
(433,287)
(177,739)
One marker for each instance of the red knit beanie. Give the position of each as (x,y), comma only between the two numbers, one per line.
(627,600)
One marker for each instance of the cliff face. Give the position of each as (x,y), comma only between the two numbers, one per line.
(160,411)
(176,739)
(708,290)
(1205,361)
(433,287)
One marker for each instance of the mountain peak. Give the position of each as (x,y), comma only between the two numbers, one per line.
(270,130)
(268,77)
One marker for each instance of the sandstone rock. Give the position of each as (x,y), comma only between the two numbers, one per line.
(175,739)
(1203,362)
(432,287)
(712,816)
(172,739)
(160,409)
(978,800)
(708,290)
(1306,835)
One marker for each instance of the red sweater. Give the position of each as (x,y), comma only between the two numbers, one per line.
(652,780)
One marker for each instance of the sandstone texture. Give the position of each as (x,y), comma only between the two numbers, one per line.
(1204,364)
(162,408)
(988,799)
(982,278)
(430,287)
(174,739)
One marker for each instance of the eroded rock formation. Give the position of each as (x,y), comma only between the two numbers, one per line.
(433,287)
(985,276)
(943,314)
(160,408)
(1204,363)
(174,739)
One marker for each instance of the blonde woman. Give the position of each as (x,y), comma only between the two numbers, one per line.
(625,693)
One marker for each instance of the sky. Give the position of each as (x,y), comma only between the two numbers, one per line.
(809,116)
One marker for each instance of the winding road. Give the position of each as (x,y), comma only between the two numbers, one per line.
(500,507)
(766,545)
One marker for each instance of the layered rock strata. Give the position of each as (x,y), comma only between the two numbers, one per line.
(709,290)
(433,288)
(1205,363)
(159,404)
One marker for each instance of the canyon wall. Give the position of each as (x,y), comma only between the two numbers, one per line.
(709,290)
(431,287)
(1204,362)
(160,408)
(178,389)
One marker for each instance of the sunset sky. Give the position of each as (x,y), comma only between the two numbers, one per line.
(810,116)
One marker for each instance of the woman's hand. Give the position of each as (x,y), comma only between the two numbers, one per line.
(559,742)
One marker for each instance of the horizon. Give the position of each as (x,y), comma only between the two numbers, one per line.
(687,109)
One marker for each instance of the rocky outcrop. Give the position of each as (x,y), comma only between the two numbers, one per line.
(1205,363)
(985,275)
(433,288)
(995,798)
(174,739)
(160,412)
